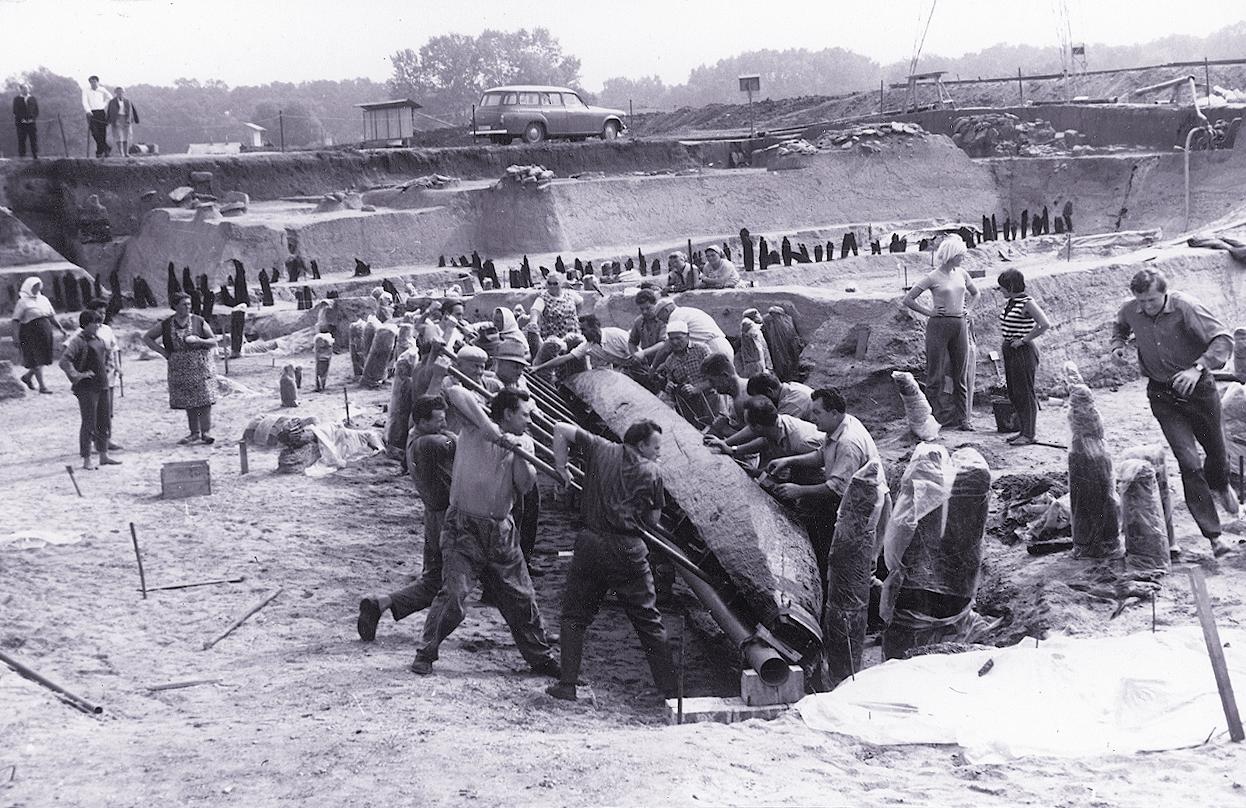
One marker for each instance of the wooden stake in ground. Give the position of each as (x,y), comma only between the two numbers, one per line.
(72,699)
(242,455)
(1198,584)
(73,479)
(346,398)
(237,580)
(181,684)
(142,579)
(242,619)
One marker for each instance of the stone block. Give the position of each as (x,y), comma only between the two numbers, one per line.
(10,387)
(719,710)
(756,693)
(236,196)
(233,209)
(207,212)
(181,193)
(200,177)
(352,201)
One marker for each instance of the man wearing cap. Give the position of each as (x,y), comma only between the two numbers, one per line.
(718,272)
(478,536)
(701,327)
(95,102)
(685,383)
(681,276)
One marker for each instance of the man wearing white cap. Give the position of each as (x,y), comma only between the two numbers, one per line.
(718,272)
(702,330)
(685,381)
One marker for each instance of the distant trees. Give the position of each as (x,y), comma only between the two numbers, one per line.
(448,73)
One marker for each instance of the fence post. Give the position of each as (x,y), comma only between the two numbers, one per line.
(1020,87)
(281,124)
(1207,75)
(64,140)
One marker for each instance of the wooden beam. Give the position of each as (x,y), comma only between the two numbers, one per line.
(1215,650)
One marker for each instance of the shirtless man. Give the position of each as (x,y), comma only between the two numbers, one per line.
(947,330)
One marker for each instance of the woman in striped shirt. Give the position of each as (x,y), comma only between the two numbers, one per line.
(1022,321)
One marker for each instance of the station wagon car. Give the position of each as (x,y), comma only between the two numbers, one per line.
(535,113)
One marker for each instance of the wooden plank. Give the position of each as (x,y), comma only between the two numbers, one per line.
(1215,650)
(764,552)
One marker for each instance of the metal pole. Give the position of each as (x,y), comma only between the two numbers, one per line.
(73,699)
(751,129)
(281,124)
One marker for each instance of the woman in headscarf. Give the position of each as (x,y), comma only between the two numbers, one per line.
(35,320)
(952,296)
(508,330)
(556,313)
(754,354)
(187,342)
(785,343)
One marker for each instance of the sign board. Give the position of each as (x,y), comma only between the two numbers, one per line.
(189,478)
(750,84)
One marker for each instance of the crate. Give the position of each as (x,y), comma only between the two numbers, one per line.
(189,478)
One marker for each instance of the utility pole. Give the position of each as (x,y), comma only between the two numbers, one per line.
(281,124)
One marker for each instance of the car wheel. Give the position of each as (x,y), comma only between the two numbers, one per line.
(534,133)
(610,131)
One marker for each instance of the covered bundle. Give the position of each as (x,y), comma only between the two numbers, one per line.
(1092,493)
(288,387)
(357,354)
(1154,454)
(1142,516)
(933,549)
(850,568)
(379,352)
(917,411)
(400,398)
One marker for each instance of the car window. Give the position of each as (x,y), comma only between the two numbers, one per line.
(529,99)
(572,100)
(509,100)
(491,100)
(551,99)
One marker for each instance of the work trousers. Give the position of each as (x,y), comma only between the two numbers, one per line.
(98,125)
(1020,365)
(947,350)
(322,373)
(1188,423)
(528,516)
(28,133)
(485,548)
(613,561)
(96,420)
(420,593)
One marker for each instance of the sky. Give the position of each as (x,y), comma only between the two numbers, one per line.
(258,41)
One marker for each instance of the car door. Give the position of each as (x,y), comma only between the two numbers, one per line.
(555,114)
(580,121)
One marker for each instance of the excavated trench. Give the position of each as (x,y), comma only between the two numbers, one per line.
(1127,209)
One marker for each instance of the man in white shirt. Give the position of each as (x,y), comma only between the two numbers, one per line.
(701,326)
(95,102)
(792,398)
(605,347)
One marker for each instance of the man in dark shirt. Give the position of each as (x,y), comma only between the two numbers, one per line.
(430,455)
(26,119)
(86,361)
(622,491)
(1180,342)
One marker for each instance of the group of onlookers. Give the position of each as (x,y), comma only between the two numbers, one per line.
(105,112)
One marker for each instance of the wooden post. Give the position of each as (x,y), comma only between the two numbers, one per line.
(1020,87)
(880,96)
(64,140)
(142,579)
(346,398)
(242,456)
(281,123)
(1198,584)
(241,620)
(73,479)
(1207,75)
(679,708)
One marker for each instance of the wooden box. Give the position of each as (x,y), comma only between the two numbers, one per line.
(189,478)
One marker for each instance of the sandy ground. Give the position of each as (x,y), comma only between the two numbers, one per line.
(306,714)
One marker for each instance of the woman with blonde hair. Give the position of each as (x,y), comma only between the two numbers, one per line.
(952,294)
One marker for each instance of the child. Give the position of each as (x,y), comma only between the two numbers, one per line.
(87,362)
(323,351)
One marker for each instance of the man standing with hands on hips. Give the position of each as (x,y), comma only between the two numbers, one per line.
(95,101)
(1180,342)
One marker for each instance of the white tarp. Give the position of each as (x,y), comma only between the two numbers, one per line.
(1066,698)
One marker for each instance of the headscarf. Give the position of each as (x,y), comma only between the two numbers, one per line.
(28,287)
(509,332)
(754,315)
(32,304)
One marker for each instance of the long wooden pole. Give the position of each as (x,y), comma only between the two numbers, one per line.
(142,579)
(1215,650)
(243,619)
(73,699)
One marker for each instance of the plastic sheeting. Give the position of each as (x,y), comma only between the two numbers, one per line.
(924,488)
(917,412)
(1066,698)
(340,446)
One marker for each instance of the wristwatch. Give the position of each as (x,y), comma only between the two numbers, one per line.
(1199,366)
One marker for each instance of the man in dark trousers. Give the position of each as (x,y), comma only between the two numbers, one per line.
(478,537)
(25,118)
(430,454)
(1180,342)
(87,363)
(622,492)
(95,102)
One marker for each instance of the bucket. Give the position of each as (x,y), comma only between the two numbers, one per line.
(1004,414)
